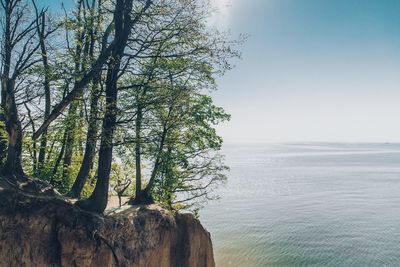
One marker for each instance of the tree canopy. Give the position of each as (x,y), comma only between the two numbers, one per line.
(113,92)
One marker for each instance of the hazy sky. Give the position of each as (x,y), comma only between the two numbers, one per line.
(313,70)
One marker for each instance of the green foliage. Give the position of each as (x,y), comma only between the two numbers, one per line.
(164,104)
(3,133)
(3,138)
(89,185)
(191,167)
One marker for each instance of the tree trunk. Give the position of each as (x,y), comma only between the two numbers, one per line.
(59,158)
(46,84)
(150,185)
(98,200)
(123,25)
(70,133)
(12,124)
(34,146)
(146,193)
(144,196)
(91,138)
(80,57)
(3,140)
(13,163)
(138,162)
(91,135)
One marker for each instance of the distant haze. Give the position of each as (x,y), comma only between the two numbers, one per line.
(312,70)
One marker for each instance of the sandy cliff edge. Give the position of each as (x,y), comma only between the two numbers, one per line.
(54,233)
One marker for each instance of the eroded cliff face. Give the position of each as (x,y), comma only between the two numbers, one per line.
(59,234)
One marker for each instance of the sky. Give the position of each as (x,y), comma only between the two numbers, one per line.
(312,70)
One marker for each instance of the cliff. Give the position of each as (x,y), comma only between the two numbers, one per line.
(52,232)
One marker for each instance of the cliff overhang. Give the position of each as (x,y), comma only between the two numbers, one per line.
(49,231)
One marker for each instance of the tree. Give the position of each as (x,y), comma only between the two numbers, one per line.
(93,23)
(182,48)
(144,68)
(123,25)
(189,165)
(18,54)
(43,33)
(3,139)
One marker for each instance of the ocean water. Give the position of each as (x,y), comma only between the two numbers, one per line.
(311,204)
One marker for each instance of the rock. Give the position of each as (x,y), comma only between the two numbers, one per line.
(47,233)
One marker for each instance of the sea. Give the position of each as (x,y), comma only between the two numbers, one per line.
(307,204)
